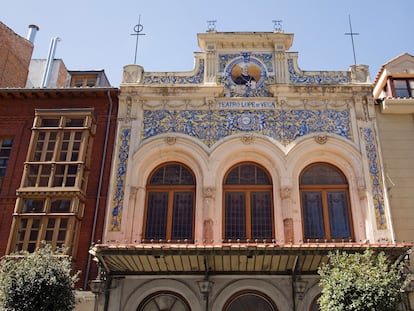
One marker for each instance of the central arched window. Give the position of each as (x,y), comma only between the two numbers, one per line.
(248,203)
(325,203)
(170,203)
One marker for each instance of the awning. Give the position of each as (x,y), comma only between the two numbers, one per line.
(252,258)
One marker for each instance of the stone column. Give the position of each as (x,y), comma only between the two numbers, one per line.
(288,227)
(208,223)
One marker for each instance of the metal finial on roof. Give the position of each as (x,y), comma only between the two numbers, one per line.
(352,34)
(277,25)
(137,29)
(211,26)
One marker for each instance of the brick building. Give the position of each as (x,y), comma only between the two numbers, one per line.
(56,144)
(15,55)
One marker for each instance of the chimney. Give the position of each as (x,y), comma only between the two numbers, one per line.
(49,62)
(33,29)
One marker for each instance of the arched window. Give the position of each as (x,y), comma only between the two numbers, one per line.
(248,203)
(315,305)
(325,203)
(164,301)
(170,203)
(249,301)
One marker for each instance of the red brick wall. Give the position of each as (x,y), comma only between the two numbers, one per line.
(16,119)
(15,55)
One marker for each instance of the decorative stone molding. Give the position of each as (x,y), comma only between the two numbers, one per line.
(360,74)
(362,192)
(321,139)
(132,74)
(285,192)
(209,192)
(247,139)
(171,140)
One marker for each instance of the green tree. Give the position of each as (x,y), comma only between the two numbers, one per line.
(361,282)
(41,281)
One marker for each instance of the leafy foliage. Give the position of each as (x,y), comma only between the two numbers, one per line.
(40,281)
(360,282)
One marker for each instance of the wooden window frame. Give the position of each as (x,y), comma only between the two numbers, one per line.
(408,87)
(171,189)
(247,190)
(73,216)
(324,189)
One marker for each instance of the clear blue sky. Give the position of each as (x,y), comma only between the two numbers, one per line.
(96,34)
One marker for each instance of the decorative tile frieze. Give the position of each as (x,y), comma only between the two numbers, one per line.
(158,78)
(329,78)
(209,126)
(376,179)
(121,169)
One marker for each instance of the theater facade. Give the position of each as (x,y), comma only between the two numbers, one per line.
(231,183)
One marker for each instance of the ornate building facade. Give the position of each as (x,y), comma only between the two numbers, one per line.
(231,183)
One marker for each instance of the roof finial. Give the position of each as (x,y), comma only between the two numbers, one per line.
(211,26)
(277,25)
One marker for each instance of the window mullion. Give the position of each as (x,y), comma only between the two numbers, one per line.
(55,232)
(58,146)
(27,232)
(326,214)
(70,146)
(168,233)
(248,215)
(42,230)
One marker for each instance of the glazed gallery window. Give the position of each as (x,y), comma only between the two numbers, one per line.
(326,211)
(51,220)
(60,147)
(50,202)
(248,204)
(5,150)
(170,204)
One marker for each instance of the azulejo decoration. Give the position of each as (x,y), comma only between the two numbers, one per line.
(196,78)
(376,180)
(209,126)
(245,74)
(297,78)
(121,169)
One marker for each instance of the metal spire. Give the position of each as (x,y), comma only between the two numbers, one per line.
(137,29)
(352,34)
